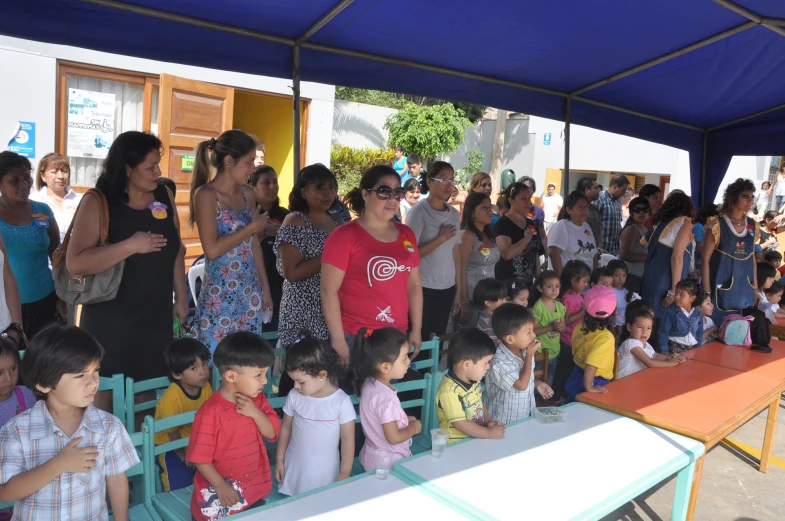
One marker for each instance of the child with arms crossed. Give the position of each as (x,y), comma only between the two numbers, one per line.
(316,418)
(60,458)
(228,433)
(459,403)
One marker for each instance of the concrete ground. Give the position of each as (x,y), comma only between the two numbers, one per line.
(732,488)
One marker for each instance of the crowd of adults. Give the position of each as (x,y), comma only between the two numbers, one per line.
(409,259)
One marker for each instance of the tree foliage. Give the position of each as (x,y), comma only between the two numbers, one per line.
(348,164)
(431,130)
(474,113)
(463,176)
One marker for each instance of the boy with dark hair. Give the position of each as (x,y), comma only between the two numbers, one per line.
(510,382)
(775,259)
(459,397)
(187,367)
(227,438)
(60,458)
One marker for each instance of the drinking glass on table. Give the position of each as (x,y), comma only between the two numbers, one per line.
(384,462)
(439,439)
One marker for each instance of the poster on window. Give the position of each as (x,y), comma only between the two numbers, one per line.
(90,123)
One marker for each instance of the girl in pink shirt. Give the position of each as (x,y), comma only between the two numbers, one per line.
(380,356)
(574,278)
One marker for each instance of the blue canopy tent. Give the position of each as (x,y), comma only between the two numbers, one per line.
(706,76)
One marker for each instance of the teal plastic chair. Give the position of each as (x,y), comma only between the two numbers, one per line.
(132,389)
(432,362)
(176,505)
(422,442)
(140,508)
(268,389)
(116,384)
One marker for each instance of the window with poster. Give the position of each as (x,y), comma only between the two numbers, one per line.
(94,105)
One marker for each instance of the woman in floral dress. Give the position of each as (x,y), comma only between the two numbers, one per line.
(235,293)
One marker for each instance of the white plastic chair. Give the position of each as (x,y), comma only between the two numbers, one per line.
(196,272)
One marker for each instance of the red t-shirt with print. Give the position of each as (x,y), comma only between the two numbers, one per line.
(374,292)
(233,444)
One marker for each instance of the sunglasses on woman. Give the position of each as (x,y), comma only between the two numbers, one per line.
(385,192)
(640,209)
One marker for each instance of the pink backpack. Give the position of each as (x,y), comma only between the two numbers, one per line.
(735,330)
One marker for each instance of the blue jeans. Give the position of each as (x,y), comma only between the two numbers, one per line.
(574,385)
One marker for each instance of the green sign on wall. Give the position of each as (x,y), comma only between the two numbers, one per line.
(187,164)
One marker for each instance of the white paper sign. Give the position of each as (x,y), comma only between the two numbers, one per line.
(90,123)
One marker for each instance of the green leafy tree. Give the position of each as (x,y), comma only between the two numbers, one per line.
(474,113)
(463,176)
(431,130)
(348,164)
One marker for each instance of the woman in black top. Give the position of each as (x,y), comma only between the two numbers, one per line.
(264,182)
(144,231)
(517,238)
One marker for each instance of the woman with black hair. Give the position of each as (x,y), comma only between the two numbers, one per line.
(571,237)
(729,265)
(478,250)
(264,182)
(298,249)
(517,237)
(669,257)
(631,250)
(135,327)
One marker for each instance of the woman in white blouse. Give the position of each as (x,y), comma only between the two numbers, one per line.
(52,187)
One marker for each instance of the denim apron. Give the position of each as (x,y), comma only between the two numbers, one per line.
(732,268)
(656,279)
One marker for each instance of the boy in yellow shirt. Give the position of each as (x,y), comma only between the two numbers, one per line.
(459,397)
(186,364)
(593,344)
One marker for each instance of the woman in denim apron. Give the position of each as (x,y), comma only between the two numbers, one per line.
(729,272)
(669,245)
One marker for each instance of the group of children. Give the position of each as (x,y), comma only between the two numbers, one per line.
(63,442)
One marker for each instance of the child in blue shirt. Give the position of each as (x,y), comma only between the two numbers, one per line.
(681,325)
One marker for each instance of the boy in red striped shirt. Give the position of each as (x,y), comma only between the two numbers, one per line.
(227,438)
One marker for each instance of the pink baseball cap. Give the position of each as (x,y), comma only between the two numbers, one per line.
(600,301)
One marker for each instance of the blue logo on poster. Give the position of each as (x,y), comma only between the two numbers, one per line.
(546,138)
(24,141)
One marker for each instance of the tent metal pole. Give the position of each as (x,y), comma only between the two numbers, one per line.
(636,113)
(567,122)
(190,20)
(768,23)
(745,118)
(666,57)
(324,20)
(704,149)
(296,89)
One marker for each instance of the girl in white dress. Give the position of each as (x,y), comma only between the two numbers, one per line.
(635,353)
(317,415)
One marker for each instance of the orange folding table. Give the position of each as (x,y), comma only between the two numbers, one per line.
(718,390)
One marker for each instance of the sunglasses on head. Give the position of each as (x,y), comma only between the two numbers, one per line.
(640,209)
(385,192)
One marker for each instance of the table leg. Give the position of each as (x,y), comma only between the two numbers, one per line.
(768,438)
(681,497)
(696,485)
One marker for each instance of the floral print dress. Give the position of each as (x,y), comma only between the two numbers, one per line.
(231,296)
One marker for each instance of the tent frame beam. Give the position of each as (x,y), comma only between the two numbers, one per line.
(769,23)
(189,20)
(745,118)
(324,20)
(666,57)
(567,123)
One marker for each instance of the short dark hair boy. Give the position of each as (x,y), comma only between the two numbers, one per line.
(181,354)
(459,404)
(227,439)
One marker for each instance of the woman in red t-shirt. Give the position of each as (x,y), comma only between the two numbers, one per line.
(370,267)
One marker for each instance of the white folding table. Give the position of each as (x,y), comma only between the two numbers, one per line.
(364,497)
(583,468)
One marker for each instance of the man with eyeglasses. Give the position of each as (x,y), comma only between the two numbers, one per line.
(551,205)
(609,205)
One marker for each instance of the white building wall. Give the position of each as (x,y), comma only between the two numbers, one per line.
(29,70)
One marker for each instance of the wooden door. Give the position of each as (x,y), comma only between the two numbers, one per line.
(189,112)
(665,185)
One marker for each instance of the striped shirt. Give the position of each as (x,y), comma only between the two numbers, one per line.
(235,447)
(610,215)
(31,439)
(505,403)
